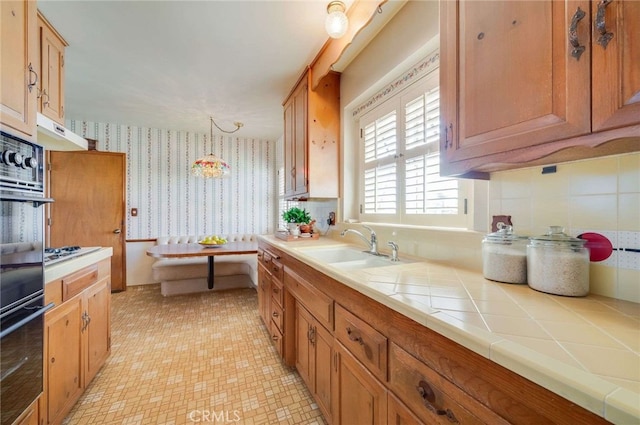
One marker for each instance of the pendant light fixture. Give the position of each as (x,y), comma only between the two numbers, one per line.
(210,166)
(336,22)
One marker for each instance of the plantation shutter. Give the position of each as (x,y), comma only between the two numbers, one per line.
(380,174)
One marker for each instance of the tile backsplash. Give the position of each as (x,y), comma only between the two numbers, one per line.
(599,195)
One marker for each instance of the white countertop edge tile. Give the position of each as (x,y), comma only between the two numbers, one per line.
(63,268)
(622,407)
(578,386)
(469,336)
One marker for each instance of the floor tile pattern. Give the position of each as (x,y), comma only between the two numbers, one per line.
(198,358)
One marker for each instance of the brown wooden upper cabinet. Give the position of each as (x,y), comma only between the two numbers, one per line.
(51,96)
(19,68)
(523,81)
(311,138)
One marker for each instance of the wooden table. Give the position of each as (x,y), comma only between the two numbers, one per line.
(176,250)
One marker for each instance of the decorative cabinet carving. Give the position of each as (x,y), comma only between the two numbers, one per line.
(51,95)
(77,337)
(522,81)
(311,138)
(19,76)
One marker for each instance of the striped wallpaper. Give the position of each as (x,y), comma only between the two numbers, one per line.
(170,201)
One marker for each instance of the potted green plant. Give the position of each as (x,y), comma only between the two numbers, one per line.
(294,217)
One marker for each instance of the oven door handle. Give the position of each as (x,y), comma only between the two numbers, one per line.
(37,201)
(39,312)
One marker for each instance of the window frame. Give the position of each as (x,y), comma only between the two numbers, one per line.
(397,102)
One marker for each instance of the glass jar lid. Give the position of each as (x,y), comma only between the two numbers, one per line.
(503,235)
(556,236)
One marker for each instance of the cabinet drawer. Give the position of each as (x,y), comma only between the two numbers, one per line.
(277,270)
(365,343)
(277,316)
(277,293)
(76,282)
(318,304)
(430,396)
(276,337)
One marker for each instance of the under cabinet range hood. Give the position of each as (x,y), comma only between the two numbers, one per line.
(54,137)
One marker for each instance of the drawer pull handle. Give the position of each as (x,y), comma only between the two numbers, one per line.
(275,314)
(274,337)
(429,398)
(353,337)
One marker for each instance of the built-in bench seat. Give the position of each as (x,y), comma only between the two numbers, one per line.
(189,275)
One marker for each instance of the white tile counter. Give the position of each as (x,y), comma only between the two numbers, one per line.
(63,268)
(586,349)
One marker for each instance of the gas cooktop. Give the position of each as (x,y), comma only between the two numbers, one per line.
(55,255)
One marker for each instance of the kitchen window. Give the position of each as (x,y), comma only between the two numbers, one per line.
(400,162)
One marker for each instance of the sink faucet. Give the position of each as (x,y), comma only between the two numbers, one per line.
(372,243)
(394,250)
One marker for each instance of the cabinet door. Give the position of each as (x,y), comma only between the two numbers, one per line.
(98,329)
(52,73)
(322,342)
(64,380)
(615,69)
(359,398)
(509,79)
(289,144)
(299,176)
(18,73)
(303,327)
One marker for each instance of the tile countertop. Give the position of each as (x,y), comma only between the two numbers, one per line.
(586,349)
(63,268)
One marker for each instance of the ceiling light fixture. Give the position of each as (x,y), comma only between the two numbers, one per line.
(210,166)
(336,22)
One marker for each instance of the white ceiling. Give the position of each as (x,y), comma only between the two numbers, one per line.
(172,64)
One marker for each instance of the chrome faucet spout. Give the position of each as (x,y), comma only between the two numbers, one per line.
(372,242)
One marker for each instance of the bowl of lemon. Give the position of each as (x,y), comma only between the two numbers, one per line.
(212,241)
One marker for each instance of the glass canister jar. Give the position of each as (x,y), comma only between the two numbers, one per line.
(558,264)
(504,256)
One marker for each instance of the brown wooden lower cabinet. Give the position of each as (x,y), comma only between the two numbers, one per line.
(314,357)
(386,368)
(77,338)
(357,396)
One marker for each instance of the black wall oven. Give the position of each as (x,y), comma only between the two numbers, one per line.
(21,275)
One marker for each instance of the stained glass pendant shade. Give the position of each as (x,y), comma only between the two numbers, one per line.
(210,166)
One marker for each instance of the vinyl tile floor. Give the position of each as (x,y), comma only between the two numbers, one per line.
(200,358)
